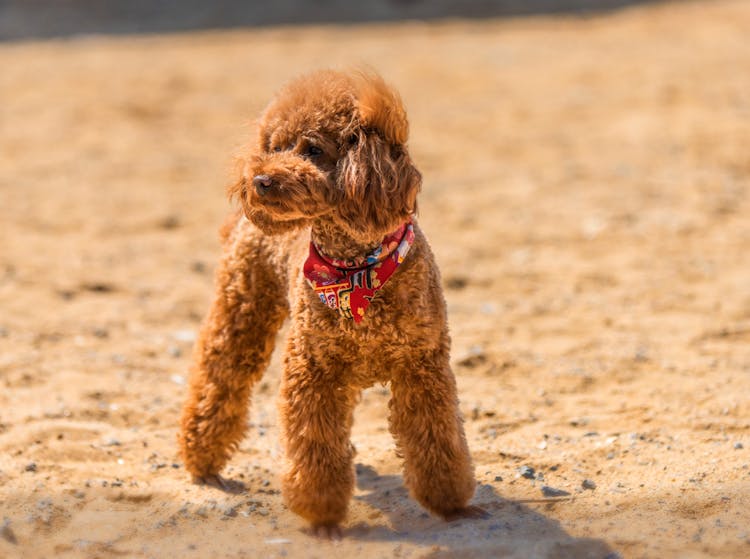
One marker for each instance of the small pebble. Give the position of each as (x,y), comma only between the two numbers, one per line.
(456,282)
(488,308)
(588,484)
(527,472)
(187,336)
(473,357)
(170,222)
(738,446)
(100,332)
(6,532)
(43,503)
(548,491)
(30,467)
(498,478)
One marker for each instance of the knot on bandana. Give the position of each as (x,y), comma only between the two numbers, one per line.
(348,286)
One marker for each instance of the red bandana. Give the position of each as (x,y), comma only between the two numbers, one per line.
(348,286)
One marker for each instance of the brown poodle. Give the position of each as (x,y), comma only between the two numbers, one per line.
(327,237)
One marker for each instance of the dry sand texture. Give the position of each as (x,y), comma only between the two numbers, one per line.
(587,194)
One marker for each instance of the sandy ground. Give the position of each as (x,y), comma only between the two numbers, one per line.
(587,194)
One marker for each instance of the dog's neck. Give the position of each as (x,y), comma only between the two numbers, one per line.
(337,242)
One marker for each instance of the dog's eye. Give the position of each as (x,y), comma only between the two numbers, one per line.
(314,151)
(277,149)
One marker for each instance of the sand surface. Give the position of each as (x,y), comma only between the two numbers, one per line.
(587,195)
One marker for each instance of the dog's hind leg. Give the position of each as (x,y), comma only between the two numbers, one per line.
(428,428)
(232,351)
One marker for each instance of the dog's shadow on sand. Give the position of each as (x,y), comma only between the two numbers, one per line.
(511,529)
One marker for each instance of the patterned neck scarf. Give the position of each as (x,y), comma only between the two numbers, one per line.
(348,286)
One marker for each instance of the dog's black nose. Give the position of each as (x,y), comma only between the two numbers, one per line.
(262,184)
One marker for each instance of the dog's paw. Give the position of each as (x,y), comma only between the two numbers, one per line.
(471,511)
(331,532)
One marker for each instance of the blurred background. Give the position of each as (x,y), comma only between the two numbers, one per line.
(587,196)
(53,18)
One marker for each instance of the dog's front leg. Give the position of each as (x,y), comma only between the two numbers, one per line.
(315,412)
(233,350)
(428,428)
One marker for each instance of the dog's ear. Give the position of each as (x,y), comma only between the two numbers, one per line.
(376,175)
(242,161)
(237,189)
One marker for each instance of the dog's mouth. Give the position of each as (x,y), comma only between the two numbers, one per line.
(285,200)
(283,210)
(275,207)
(283,206)
(271,225)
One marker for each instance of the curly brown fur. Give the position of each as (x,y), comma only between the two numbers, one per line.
(330,163)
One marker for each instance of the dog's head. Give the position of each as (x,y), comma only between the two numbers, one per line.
(331,145)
